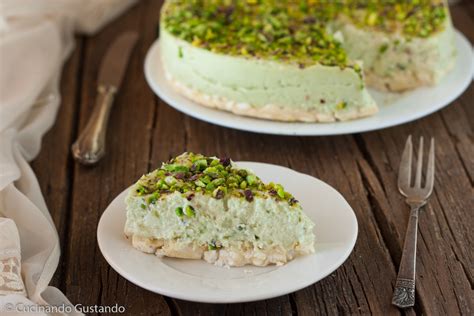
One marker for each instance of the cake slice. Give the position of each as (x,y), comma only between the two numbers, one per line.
(275,60)
(198,207)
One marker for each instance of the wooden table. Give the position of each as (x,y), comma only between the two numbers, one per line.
(144,131)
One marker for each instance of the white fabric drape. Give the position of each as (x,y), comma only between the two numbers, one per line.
(36,36)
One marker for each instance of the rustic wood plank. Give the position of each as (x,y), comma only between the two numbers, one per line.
(52,166)
(467,5)
(166,144)
(444,254)
(272,307)
(460,128)
(466,100)
(89,279)
(463,21)
(459,118)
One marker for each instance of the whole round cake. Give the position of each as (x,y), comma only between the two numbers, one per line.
(307,61)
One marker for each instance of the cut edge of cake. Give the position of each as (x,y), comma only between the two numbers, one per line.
(393,62)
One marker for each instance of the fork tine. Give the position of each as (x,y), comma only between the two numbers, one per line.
(404,172)
(419,164)
(431,169)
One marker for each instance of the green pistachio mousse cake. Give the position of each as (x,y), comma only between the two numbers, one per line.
(307,61)
(198,207)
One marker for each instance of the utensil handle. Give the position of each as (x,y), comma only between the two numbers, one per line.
(90,145)
(404,293)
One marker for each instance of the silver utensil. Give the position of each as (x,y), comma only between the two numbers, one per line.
(416,197)
(90,145)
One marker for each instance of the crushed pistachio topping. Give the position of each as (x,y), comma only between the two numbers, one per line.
(213,245)
(412,18)
(294,31)
(190,174)
(282,30)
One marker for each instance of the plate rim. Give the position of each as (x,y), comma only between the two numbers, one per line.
(250,298)
(462,44)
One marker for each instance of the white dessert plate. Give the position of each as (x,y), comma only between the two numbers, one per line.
(196,280)
(395,108)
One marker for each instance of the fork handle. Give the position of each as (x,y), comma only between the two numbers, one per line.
(404,293)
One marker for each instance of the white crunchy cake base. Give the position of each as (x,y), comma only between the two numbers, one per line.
(270,111)
(222,257)
(404,80)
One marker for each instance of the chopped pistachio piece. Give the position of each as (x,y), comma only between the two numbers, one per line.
(199,183)
(383,48)
(189,211)
(153,197)
(141,190)
(251,179)
(176,167)
(200,164)
(211,246)
(179,211)
(212,172)
(280,191)
(210,186)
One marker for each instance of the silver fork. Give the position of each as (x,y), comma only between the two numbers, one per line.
(416,197)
